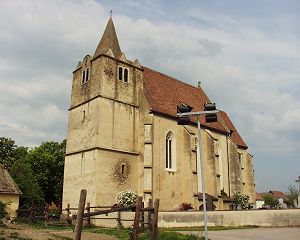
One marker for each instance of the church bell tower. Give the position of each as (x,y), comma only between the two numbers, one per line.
(103,152)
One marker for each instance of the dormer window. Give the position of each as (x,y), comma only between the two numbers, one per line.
(123,74)
(85,75)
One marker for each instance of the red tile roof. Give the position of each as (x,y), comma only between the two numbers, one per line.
(235,136)
(164,93)
(259,196)
(277,194)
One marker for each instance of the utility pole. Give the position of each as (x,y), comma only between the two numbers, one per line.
(298,181)
(184,112)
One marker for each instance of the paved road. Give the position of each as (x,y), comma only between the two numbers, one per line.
(255,233)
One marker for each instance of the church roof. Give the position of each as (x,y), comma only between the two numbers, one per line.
(164,93)
(235,136)
(108,41)
(7,184)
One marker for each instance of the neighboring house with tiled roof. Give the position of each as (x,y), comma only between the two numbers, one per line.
(9,192)
(259,200)
(280,196)
(123,134)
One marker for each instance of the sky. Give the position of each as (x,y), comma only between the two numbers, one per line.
(245,53)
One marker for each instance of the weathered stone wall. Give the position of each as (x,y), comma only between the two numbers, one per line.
(248,176)
(264,218)
(105,137)
(234,168)
(215,155)
(172,187)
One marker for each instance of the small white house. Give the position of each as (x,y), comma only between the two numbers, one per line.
(259,201)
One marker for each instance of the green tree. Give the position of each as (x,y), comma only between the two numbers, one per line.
(3,212)
(47,163)
(10,152)
(23,175)
(292,195)
(271,201)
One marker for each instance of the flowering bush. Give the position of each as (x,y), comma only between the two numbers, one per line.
(241,199)
(126,198)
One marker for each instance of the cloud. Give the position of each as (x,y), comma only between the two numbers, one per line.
(40,42)
(247,58)
(251,73)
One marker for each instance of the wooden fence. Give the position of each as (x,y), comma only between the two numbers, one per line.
(141,221)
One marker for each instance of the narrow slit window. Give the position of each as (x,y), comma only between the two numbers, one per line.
(167,154)
(87,76)
(83,76)
(83,116)
(123,169)
(120,73)
(125,75)
(170,153)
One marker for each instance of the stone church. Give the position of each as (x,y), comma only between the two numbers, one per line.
(123,134)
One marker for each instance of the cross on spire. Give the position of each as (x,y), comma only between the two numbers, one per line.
(110,13)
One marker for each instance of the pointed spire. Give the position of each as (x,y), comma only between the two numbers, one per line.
(108,41)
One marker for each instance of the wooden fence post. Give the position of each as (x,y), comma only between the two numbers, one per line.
(69,216)
(143,218)
(119,220)
(79,219)
(31,213)
(46,214)
(155,220)
(135,226)
(150,205)
(88,209)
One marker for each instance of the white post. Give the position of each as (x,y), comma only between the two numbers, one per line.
(202,176)
(298,181)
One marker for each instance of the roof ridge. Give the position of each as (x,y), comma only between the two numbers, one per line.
(190,85)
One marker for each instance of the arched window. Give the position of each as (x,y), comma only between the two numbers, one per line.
(87,76)
(170,151)
(125,75)
(120,73)
(83,76)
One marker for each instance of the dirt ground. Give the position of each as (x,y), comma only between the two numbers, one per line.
(19,231)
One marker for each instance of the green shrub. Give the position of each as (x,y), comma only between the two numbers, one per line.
(3,213)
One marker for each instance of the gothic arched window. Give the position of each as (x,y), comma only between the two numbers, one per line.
(170,151)
(120,73)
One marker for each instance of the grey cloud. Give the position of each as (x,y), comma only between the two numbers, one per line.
(242,66)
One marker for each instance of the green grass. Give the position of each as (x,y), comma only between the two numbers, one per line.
(60,237)
(172,236)
(122,234)
(15,235)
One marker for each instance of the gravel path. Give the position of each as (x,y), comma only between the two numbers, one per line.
(25,231)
